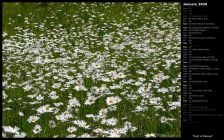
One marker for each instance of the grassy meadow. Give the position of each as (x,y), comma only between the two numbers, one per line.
(91,70)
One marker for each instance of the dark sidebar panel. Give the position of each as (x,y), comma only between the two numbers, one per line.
(202,69)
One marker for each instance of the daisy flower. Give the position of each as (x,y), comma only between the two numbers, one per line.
(150,135)
(112,100)
(90,100)
(21,114)
(10,129)
(111,121)
(45,108)
(37,129)
(71,129)
(33,119)
(51,124)
(81,123)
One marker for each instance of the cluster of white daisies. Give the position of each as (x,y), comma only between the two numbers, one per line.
(104,77)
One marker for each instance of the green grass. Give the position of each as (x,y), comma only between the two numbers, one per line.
(51,15)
